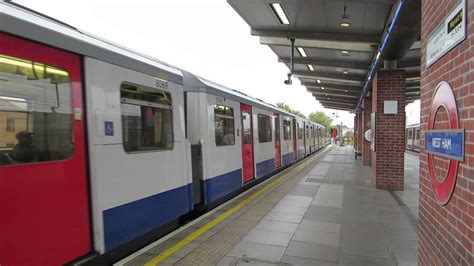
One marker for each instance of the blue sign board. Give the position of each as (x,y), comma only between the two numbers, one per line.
(109,128)
(447,143)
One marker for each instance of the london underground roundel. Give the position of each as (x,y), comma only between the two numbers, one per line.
(448,143)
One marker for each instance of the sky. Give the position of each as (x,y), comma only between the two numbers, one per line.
(205,37)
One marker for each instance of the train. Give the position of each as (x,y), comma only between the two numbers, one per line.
(412,138)
(104,150)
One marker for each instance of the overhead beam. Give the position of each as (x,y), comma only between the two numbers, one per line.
(335,100)
(324,62)
(313,35)
(329,75)
(351,94)
(336,45)
(329,94)
(340,87)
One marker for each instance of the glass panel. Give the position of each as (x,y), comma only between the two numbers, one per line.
(247,133)
(300,131)
(417,134)
(264,128)
(147,120)
(36,122)
(277,128)
(286,129)
(224,125)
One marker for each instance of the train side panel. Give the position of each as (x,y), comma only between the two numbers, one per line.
(139,158)
(264,142)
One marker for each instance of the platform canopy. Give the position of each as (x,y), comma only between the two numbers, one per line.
(336,42)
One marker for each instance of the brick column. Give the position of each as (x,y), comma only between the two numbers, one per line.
(366,151)
(356,131)
(361,134)
(388,159)
(446,232)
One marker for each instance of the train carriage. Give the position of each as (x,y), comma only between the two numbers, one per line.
(412,137)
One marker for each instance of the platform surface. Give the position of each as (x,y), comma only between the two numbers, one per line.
(323,211)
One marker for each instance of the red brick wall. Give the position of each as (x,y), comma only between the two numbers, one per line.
(356,131)
(446,233)
(360,140)
(389,156)
(366,151)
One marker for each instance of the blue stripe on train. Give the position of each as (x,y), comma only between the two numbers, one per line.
(287,158)
(219,186)
(265,167)
(126,222)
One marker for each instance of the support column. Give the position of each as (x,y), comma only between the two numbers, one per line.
(388,159)
(360,139)
(366,150)
(356,132)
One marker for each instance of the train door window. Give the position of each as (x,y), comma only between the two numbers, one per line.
(300,131)
(417,134)
(286,129)
(36,121)
(410,133)
(147,122)
(264,128)
(246,124)
(277,128)
(224,125)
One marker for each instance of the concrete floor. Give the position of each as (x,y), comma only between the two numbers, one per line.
(326,212)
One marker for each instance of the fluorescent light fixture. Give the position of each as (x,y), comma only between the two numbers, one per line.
(12,99)
(322,88)
(328,98)
(345,24)
(310,67)
(345,91)
(345,72)
(301,51)
(345,52)
(38,67)
(319,81)
(378,55)
(280,13)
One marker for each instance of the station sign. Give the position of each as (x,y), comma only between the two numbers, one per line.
(449,33)
(447,143)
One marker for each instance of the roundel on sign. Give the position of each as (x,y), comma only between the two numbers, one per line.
(448,143)
(367,135)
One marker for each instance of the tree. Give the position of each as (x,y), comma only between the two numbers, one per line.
(321,118)
(287,108)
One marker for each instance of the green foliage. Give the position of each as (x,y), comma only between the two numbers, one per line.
(321,118)
(287,108)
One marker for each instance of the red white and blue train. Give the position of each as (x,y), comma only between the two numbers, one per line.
(413,137)
(103,150)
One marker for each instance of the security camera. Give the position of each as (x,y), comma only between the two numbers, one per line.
(288,82)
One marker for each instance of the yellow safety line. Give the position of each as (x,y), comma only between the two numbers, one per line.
(214,222)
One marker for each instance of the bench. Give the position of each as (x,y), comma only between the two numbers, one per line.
(357,153)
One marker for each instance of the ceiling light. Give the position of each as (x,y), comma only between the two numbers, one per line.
(301,51)
(310,67)
(280,13)
(345,24)
(345,91)
(319,81)
(378,55)
(345,72)
(322,88)
(328,98)
(345,52)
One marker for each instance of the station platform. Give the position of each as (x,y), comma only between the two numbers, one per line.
(322,211)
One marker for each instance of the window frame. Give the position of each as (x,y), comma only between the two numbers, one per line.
(224,116)
(289,127)
(141,103)
(267,118)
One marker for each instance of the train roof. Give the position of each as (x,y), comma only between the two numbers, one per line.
(196,83)
(26,23)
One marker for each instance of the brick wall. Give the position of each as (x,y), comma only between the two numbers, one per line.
(366,151)
(446,233)
(356,131)
(389,156)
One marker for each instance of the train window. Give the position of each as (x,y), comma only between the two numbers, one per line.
(410,133)
(264,128)
(36,121)
(417,134)
(147,121)
(224,125)
(286,129)
(300,131)
(246,127)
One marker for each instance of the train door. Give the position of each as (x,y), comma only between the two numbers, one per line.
(277,141)
(247,142)
(305,133)
(43,177)
(295,141)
